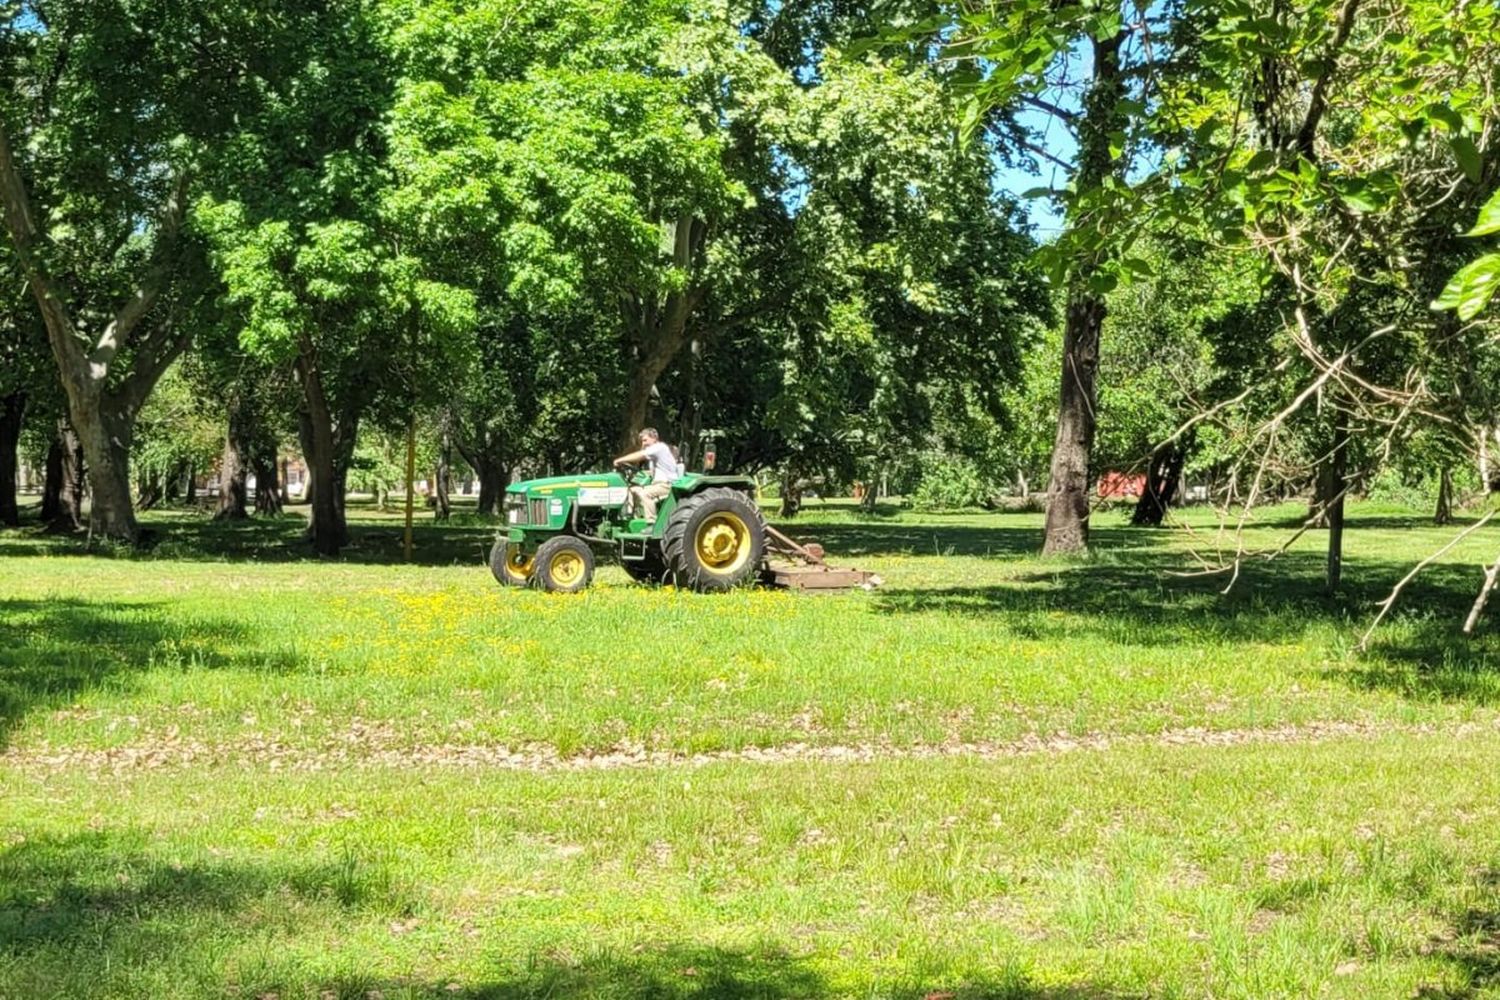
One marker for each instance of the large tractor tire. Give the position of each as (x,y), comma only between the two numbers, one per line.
(715,540)
(648,570)
(511,568)
(564,565)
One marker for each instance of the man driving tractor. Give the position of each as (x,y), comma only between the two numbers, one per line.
(664,470)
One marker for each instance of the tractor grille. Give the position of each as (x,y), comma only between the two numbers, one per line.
(515,510)
(538,512)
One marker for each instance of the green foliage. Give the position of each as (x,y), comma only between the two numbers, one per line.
(178,431)
(1471,289)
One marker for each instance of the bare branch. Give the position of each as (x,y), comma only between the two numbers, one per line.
(1390,601)
(1483,598)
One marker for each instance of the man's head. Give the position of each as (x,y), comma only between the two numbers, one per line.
(649,436)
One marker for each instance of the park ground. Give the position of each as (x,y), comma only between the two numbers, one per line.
(230,770)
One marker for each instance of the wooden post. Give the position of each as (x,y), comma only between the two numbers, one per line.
(411,475)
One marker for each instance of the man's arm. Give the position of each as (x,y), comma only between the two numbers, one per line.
(634,458)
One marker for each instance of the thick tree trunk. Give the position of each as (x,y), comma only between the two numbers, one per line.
(493,478)
(1163,477)
(233,467)
(1068,489)
(12,412)
(62,490)
(105,439)
(1444,512)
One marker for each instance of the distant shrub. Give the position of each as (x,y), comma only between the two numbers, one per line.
(948,483)
(1393,488)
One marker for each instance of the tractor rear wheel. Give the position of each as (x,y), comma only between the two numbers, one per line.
(564,565)
(714,540)
(510,566)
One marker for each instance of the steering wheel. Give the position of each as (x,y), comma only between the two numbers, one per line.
(628,472)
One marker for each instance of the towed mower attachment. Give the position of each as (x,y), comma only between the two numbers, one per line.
(801,567)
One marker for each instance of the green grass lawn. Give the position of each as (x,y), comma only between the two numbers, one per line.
(230,770)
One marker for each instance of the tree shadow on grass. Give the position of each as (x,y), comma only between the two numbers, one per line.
(189,538)
(108,913)
(696,972)
(93,913)
(53,650)
(1471,948)
(1419,653)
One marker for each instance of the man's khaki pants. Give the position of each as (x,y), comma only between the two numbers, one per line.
(645,499)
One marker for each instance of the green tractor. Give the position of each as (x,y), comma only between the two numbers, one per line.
(708,536)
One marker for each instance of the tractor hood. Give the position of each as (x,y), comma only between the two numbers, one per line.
(560,485)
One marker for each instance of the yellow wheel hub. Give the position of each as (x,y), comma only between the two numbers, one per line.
(519,565)
(724,543)
(566,569)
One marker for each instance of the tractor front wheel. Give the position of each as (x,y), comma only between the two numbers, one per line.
(511,567)
(715,540)
(564,565)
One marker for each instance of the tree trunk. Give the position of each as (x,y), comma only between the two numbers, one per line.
(105,439)
(1339,462)
(493,478)
(643,378)
(267,486)
(442,480)
(62,492)
(490,468)
(344,433)
(1068,489)
(1489,474)
(233,467)
(12,412)
(791,495)
(1163,479)
(660,327)
(1444,512)
(149,490)
(325,528)
(190,484)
